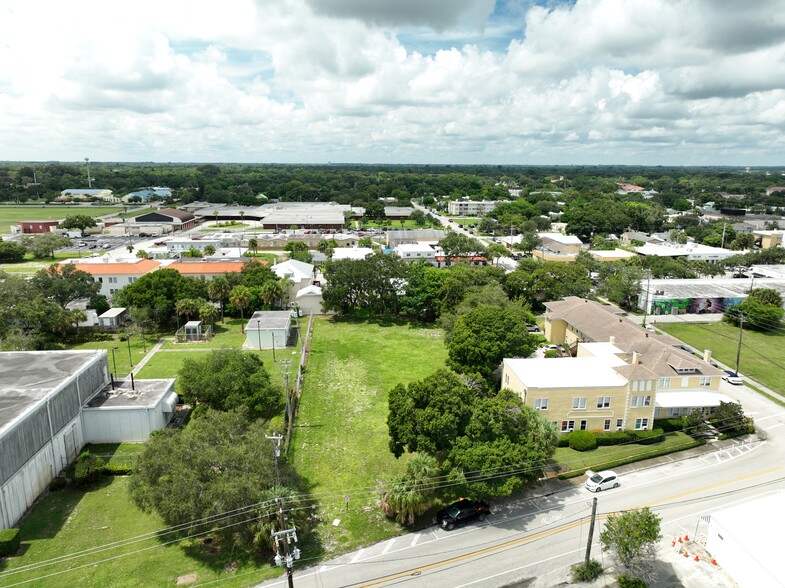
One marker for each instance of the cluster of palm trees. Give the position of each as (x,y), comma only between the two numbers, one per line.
(410,495)
(271,293)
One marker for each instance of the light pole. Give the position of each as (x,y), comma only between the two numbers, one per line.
(130,361)
(259,333)
(114,360)
(272,337)
(89,180)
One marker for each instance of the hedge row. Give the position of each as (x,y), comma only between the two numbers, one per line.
(586,440)
(9,542)
(633,458)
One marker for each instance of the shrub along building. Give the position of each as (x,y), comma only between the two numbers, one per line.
(618,376)
(51,404)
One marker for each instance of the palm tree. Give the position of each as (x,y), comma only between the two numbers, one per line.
(209,250)
(208,313)
(270,291)
(242,214)
(253,245)
(187,307)
(408,495)
(129,247)
(240,296)
(219,289)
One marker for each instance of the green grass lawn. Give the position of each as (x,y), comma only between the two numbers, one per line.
(70,521)
(227,334)
(30,265)
(600,458)
(12,215)
(760,351)
(270,258)
(115,454)
(121,355)
(341,438)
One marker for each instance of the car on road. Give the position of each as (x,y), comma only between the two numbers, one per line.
(602,481)
(106,246)
(461,512)
(732,378)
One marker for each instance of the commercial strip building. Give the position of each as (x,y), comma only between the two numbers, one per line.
(50,408)
(621,376)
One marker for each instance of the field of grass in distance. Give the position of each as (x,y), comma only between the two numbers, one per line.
(760,357)
(340,445)
(12,215)
(70,520)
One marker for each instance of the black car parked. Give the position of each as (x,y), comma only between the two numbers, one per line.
(461,512)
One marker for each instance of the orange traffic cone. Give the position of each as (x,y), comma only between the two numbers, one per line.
(697,558)
(714,562)
(680,541)
(686,554)
(686,537)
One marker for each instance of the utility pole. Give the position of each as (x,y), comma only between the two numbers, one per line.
(285,364)
(282,539)
(591,530)
(646,306)
(276,455)
(738,350)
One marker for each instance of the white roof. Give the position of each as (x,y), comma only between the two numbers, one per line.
(568,372)
(415,248)
(690,399)
(293,268)
(309,291)
(352,253)
(113,312)
(690,249)
(560,238)
(615,253)
(600,348)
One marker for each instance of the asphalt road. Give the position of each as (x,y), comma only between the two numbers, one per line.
(534,540)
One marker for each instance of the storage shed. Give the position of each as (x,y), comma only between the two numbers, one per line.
(268,329)
(129,412)
(113,318)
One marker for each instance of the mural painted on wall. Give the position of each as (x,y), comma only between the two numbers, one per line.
(694,305)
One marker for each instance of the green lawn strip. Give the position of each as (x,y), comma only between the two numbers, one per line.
(340,444)
(13,215)
(70,521)
(392,225)
(759,351)
(577,462)
(116,454)
(121,358)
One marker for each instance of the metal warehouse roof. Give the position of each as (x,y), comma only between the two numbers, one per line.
(27,377)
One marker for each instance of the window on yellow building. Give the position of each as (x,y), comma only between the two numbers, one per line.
(579,402)
(607,426)
(540,404)
(603,402)
(705,381)
(665,383)
(567,426)
(619,424)
(641,424)
(584,425)
(640,401)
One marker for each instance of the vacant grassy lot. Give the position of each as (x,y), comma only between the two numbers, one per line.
(760,351)
(341,439)
(121,356)
(70,521)
(12,215)
(602,457)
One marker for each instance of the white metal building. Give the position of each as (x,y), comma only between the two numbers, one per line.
(41,399)
(129,412)
(742,540)
(54,402)
(268,329)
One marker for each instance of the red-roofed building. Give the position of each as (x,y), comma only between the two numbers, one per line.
(38,226)
(442,261)
(115,275)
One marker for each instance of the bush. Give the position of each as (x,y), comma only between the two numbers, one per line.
(582,441)
(9,541)
(649,437)
(586,572)
(88,469)
(563,441)
(57,484)
(615,438)
(669,425)
(628,582)
(118,470)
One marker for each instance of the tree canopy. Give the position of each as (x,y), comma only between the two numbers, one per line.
(470,431)
(631,537)
(228,379)
(485,335)
(371,285)
(65,283)
(220,464)
(78,221)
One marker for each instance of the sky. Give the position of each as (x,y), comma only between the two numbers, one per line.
(526,82)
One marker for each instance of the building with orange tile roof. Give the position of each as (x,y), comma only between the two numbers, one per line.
(112,276)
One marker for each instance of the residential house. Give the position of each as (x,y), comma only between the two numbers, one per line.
(557,247)
(113,276)
(298,272)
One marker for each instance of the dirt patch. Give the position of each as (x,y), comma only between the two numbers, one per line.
(187,579)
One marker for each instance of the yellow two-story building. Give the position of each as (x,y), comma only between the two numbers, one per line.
(619,376)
